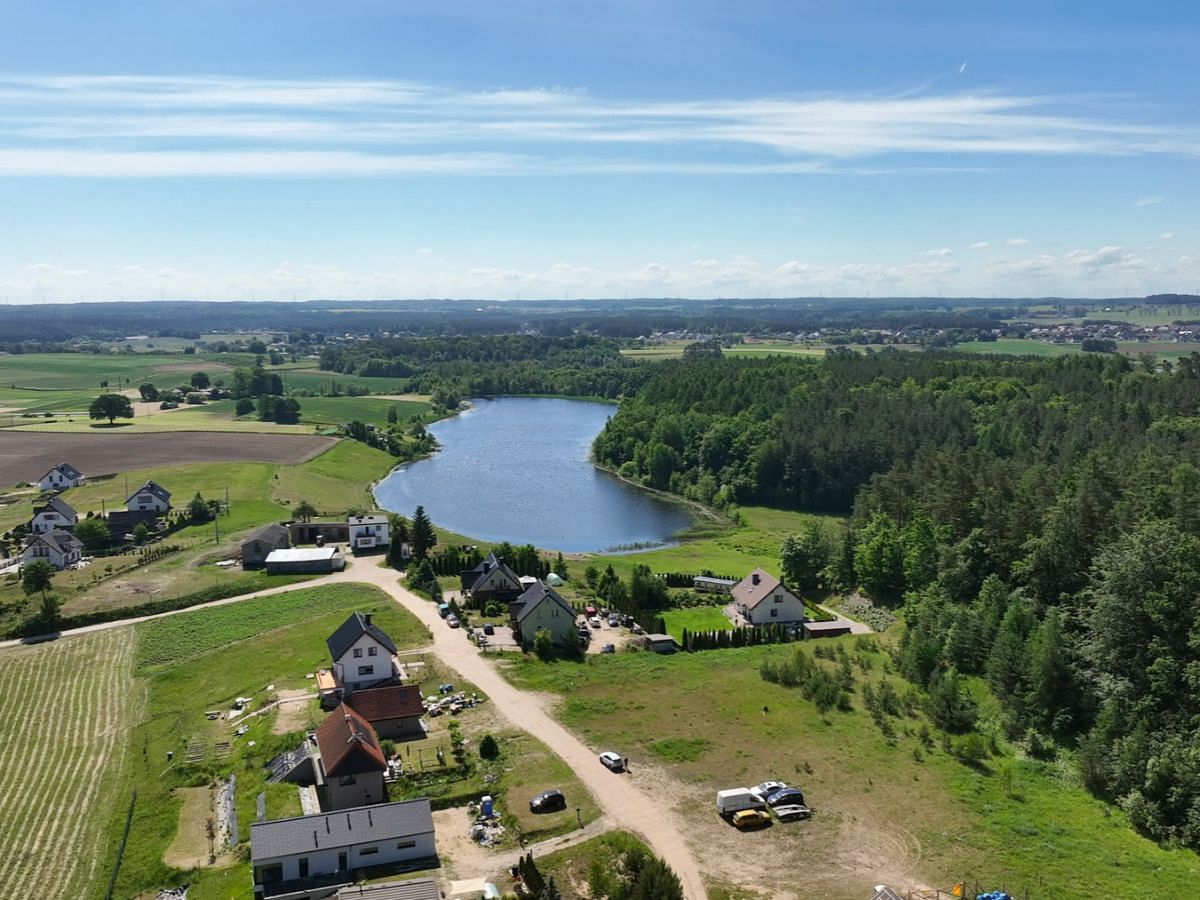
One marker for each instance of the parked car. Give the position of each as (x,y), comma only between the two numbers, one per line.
(489,628)
(766,789)
(548,801)
(612,761)
(751,818)
(609,648)
(594,621)
(734,800)
(614,622)
(452,621)
(790,813)
(786,797)
(443,609)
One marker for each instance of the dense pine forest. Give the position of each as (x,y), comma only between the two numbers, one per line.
(1038,520)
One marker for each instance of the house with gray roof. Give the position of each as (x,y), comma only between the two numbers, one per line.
(539,608)
(362,654)
(150,496)
(53,513)
(61,477)
(491,580)
(60,549)
(259,543)
(313,856)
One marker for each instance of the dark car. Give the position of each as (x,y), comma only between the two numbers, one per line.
(489,628)
(786,797)
(548,801)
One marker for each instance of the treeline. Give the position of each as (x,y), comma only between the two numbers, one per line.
(1038,518)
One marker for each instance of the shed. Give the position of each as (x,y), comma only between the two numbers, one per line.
(326,532)
(707,584)
(833,628)
(659,643)
(260,542)
(304,560)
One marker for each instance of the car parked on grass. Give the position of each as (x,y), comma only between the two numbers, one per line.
(612,761)
(791,813)
(548,801)
(766,789)
(751,818)
(609,648)
(786,797)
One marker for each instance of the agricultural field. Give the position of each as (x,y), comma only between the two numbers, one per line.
(1017,347)
(887,808)
(69,711)
(372,410)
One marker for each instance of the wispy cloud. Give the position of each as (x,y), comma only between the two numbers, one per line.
(980,245)
(142,126)
(1017,242)
(940,251)
(1148,201)
(1167,235)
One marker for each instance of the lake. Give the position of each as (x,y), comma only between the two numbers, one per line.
(517,469)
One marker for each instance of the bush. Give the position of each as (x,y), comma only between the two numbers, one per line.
(488,747)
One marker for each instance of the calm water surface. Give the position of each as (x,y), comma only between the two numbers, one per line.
(517,469)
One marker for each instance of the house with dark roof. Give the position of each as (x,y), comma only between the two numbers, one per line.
(491,580)
(60,549)
(51,514)
(362,655)
(368,532)
(394,711)
(351,764)
(260,542)
(540,608)
(150,496)
(762,599)
(313,856)
(122,522)
(61,477)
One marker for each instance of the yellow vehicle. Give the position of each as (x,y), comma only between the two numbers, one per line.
(751,818)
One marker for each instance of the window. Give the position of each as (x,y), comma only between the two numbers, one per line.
(366,670)
(358,652)
(405,845)
(372,651)
(779,598)
(346,780)
(774,614)
(268,874)
(304,867)
(368,851)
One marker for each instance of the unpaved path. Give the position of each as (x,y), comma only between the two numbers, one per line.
(623,803)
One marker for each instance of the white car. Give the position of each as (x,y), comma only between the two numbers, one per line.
(612,761)
(795,811)
(766,789)
(594,621)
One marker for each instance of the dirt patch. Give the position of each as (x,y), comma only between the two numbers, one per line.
(191,849)
(409,398)
(200,365)
(292,714)
(26,456)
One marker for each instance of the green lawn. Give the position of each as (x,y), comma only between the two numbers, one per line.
(701,618)
(1018,347)
(881,805)
(372,410)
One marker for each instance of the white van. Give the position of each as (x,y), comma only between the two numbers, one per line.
(735,800)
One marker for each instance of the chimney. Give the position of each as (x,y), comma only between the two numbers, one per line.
(367,618)
(754,578)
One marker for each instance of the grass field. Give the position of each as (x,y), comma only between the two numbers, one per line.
(701,618)
(885,809)
(69,708)
(201,660)
(1017,347)
(372,410)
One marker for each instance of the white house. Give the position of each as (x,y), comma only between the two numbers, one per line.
(368,532)
(59,548)
(362,654)
(761,599)
(54,513)
(322,852)
(542,608)
(150,496)
(61,477)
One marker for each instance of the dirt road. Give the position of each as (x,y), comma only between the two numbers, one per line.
(624,803)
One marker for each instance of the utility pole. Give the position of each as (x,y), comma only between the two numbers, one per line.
(217,526)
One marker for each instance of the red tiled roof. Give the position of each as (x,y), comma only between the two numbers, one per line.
(401,701)
(348,744)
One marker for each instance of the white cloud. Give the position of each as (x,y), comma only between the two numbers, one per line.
(1017,242)
(1167,235)
(1148,201)
(139,126)
(980,245)
(940,251)
(424,251)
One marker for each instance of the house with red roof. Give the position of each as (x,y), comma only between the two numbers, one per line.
(762,599)
(394,711)
(350,764)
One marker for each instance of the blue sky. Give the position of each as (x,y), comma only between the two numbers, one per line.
(368,150)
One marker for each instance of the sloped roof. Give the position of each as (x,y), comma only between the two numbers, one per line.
(491,563)
(748,594)
(154,488)
(402,701)
(350,631)
(269,533)
(348,744)
(62,541)
(301,834)
(56,505)
(67,470)
(537,594)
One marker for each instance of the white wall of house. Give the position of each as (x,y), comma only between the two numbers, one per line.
(48,520)
(41,550)
(496,580)
(366,536)
(781,605)
(54,480)
(147,500)
(357,856)
(365,662)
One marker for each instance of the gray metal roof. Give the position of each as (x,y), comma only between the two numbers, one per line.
(154,488)
(350,631)
(534,595)
(417,889)
(345,828)
(270,533)
(67,470)
(62,507)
